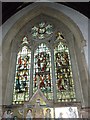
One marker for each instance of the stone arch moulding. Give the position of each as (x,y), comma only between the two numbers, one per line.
(54,12)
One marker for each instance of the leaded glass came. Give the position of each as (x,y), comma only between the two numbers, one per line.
(56,83)
(42,70)
(42,30)
(63,72)
(22,76)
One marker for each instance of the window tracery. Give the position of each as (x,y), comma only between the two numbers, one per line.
(41,30)
(42,68)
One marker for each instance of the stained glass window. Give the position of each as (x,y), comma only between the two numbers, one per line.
(42,70)
(63,72)
(22,76)
(41,30)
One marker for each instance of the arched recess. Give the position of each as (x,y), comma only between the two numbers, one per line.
(72,35)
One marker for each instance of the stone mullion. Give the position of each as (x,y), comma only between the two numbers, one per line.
(31,73)
(53,75)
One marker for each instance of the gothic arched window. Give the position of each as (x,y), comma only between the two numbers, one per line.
(63,72)
(52,82)
(22,76)
(42,71)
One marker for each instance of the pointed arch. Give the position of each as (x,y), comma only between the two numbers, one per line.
(54,12)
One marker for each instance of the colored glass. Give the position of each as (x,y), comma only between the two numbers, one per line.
(63,72)
(22,76)
(41,30)
(42,70)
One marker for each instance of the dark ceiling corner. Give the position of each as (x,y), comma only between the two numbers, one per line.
(10,8)
(82,7)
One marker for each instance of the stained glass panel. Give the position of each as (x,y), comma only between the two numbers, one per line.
(63,72)
(22,76)
(42,71)
(41,30)
(24,41)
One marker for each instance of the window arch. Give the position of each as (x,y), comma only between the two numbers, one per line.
(42,71)
(63,73)
(22,75)
(56,84)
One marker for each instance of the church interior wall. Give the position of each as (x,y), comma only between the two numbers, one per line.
(14,27)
